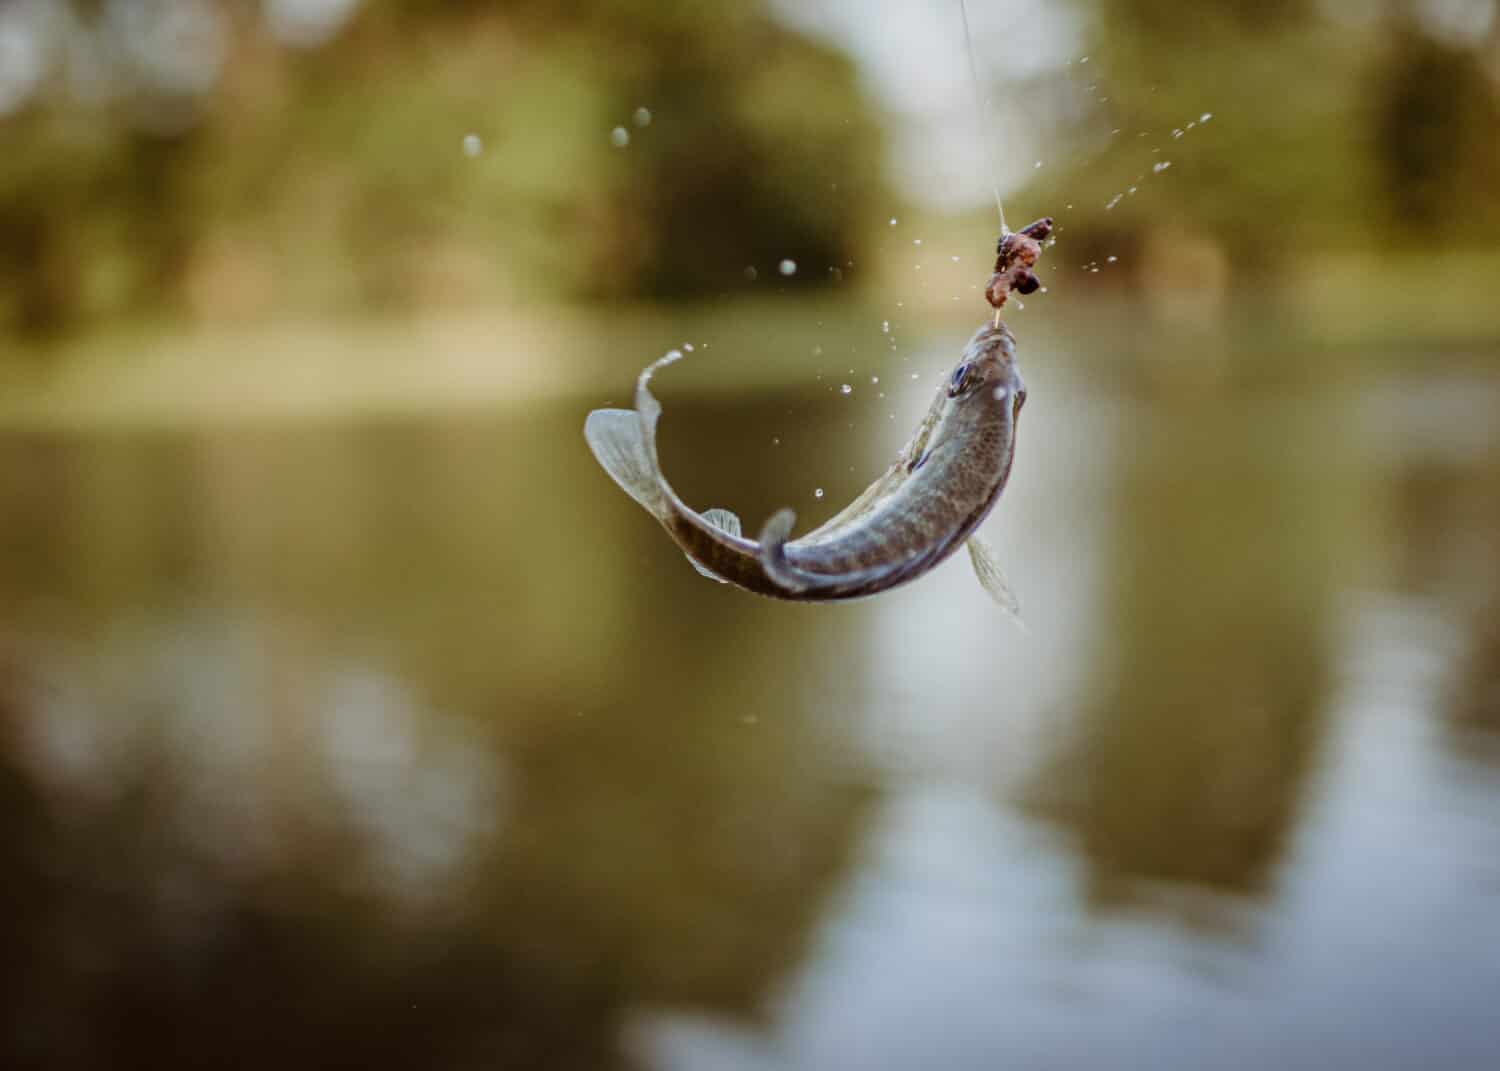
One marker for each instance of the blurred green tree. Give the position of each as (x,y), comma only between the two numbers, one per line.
(1330,124)
(423,152)
(1437,135)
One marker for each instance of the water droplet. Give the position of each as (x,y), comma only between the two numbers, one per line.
(1036,165)
(844,388)
(1131,191)
(1084,60)
(874,379)
(674,355)
(642,117)
(817,492)
(787,267)
(1162,166)
(619,137)
(1177,133)
(472,145)
(955,260)
(914,375)
(1116,199)
(1095,269)
(688,346)
(916,241)
(1205,117)
(776,440)
(751,273)
(817,351)
(1111,260)
(885,327)
(893,221)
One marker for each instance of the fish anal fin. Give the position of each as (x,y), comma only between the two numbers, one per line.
(992,577)
(704,570)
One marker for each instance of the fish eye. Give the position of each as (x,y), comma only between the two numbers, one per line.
(960,381)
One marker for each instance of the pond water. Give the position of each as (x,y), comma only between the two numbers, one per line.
(412,742)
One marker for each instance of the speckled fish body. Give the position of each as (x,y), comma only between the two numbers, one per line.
(940,488)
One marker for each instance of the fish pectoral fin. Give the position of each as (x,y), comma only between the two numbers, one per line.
(992,578)
(614,435)
(724,521)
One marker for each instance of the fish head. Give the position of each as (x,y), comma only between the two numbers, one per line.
(986,381)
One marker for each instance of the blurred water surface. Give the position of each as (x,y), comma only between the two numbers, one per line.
(410,741)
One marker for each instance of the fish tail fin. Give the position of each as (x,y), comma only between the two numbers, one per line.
(619,444)
(624,442)
(773,539)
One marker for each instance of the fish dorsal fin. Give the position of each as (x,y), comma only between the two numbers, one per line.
(724,521)
(991,577)
(867,500)
(886,485)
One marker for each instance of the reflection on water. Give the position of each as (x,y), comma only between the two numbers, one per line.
(378,726)
(1190,759)
(415,744)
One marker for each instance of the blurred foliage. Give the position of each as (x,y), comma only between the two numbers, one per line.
(236,161)
(279,169)
(1332,126)
(459,792)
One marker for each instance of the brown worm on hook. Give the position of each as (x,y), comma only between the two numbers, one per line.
(1015,256)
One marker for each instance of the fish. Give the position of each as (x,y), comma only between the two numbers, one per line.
(930,501)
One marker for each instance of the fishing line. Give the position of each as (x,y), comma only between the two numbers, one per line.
(983,102)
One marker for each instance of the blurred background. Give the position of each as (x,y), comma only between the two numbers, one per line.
(350,716)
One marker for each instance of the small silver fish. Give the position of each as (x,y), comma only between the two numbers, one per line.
(930,501)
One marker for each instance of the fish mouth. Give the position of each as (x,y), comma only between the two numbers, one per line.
(993,342)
